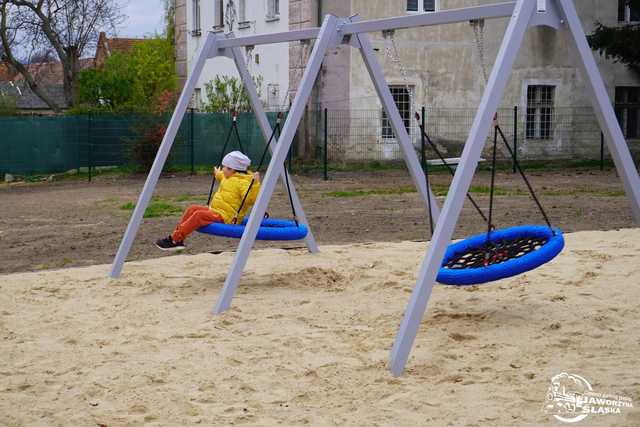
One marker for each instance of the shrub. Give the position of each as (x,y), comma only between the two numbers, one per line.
(7,105)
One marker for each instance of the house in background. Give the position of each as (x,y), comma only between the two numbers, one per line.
(194,18)
(107,46)
(444,73)
(48,75)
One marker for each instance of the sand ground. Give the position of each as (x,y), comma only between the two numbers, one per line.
(308,337)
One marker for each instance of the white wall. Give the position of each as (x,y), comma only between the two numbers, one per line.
(273,59)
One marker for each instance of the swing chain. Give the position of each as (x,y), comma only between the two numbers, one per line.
(393,54)
(478,32)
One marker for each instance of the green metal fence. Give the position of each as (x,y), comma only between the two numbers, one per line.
(39,145)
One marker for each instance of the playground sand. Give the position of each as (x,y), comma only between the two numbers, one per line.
(308,336)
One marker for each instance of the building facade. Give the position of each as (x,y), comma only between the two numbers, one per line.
(268,64)
(441,68)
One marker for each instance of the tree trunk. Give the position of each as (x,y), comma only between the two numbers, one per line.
(10,58)
(70,72)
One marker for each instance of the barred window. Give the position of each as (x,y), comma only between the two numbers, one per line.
(429,5)
(242,10)
(421,5)
(218,11)
(402,97)
(273,8)
(273,96)
(540,100)
(196,30)
(627,13)
(627,108)
(196,99)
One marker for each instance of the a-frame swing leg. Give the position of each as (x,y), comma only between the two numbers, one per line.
(397,124)
(266,130)
(602,105)
(161,156)
(326,38)
(460,185)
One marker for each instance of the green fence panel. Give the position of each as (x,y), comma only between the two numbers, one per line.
(40,145)
(30,145)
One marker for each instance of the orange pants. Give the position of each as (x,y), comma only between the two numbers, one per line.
(194,217)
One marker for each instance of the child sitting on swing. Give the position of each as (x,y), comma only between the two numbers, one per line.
(235,181)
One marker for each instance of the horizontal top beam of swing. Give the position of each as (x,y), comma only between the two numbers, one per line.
(499,10)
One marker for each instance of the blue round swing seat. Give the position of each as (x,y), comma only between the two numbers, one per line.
(507,253)
(270,229)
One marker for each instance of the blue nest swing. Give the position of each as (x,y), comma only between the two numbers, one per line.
(496,254)
(501,254)
(270,229)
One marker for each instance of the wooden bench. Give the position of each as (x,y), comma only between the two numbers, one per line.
(452,161)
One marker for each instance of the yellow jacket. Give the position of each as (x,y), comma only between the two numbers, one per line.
(231,191)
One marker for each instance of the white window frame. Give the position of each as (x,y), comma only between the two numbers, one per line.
(218,15)
(386,131)
(243,22)
(421,7)
(537,116)
(196,14)
(273,10)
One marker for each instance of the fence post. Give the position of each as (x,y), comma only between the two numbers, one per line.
(515,137)
(423,160)
(78,146)
(191,141)
(290,157)
(601,151)
(326,145)
(89,147)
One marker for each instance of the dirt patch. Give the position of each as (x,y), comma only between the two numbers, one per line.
(54,225)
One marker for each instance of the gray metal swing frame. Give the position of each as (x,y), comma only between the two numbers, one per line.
(523,14)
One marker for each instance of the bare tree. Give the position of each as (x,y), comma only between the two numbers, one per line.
(42,56)
(68,27)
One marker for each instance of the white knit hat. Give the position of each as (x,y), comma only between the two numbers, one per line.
(236,160)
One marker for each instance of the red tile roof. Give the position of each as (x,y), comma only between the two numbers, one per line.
(46,72)
(107,46)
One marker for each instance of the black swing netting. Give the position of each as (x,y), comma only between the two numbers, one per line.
(495,252)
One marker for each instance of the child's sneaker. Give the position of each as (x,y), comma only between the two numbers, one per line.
(167,244)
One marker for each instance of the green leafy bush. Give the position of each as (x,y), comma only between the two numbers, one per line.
(7,105)
(226,94)
(130,82)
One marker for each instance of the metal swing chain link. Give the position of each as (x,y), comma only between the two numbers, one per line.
(478,32)
(248,65)
(394,56)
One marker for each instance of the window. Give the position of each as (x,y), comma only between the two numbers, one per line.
(421,5)
(628,109)
(196,101)
(273,95)
(540,99)
(627,13)
(402,97)
(197,30)
(242,10)
(242,15)
(218,19)
(273,9)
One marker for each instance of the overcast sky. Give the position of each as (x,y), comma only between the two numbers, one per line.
(144,17)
